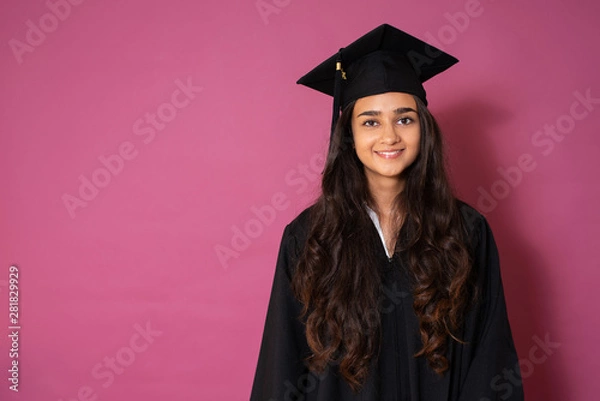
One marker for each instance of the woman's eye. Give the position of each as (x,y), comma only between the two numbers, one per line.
(370,123)
(405,120)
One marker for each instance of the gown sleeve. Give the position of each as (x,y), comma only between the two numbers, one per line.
(283,347)
(493,370)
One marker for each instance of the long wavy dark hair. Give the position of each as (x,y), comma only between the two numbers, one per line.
(335,279)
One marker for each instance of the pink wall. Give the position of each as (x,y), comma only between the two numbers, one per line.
(115,220)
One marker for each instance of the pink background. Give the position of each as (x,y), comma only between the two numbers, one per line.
(143,250)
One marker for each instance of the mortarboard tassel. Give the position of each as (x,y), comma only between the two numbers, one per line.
(337,93)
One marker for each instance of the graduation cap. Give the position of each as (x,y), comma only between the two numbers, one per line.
(384,60)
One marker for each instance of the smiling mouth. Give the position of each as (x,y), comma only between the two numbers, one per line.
(389,154)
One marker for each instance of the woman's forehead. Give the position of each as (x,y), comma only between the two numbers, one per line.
(383,102)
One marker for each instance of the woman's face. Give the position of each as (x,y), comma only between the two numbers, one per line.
(386,134)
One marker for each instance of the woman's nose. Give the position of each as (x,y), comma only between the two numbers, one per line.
(389,134)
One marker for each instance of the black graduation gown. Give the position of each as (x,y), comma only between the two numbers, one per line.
(483,369)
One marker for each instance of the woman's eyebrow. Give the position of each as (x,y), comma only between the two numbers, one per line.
(402,110)
(369,113)
(399,110)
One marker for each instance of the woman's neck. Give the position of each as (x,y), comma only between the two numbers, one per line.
(384,193)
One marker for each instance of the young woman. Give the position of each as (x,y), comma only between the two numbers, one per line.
(388,287)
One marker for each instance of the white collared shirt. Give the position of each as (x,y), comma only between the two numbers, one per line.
(375,219)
